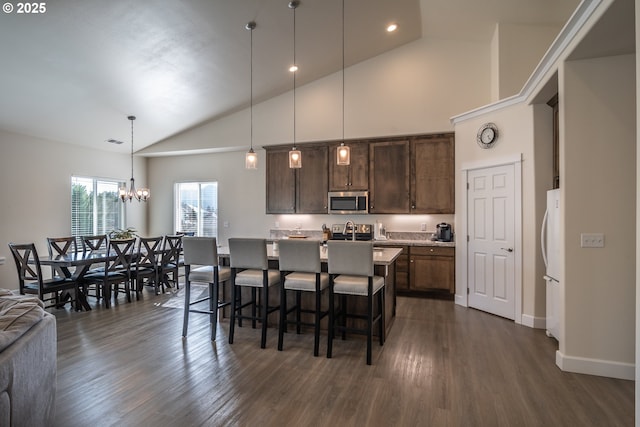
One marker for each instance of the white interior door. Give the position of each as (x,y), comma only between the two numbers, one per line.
(491,230)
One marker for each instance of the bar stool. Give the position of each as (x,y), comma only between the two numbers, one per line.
(250,268)
(300,271)
(202,253)
(351,274)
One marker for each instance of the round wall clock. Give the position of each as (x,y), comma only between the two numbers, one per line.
(487,135)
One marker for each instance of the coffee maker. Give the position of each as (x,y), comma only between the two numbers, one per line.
(444,232)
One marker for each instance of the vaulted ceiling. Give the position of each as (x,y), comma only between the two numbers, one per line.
(75,72)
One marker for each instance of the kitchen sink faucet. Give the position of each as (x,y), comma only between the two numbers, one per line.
(353,229)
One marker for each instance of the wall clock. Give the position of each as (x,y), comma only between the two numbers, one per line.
(487,135)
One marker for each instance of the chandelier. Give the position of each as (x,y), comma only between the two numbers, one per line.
(141,194)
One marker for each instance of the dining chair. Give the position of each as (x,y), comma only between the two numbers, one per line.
(145,265)
(31,281)
(116,271)
(94,243)
(301,271)
(91,244)
(60,246)
(250,268)
(201,265)
(168,268)
(351,273)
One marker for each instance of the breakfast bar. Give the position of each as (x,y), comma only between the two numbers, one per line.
(384,263)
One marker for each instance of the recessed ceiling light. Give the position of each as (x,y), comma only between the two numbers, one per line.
(114,141)
(293,68)
(392,27)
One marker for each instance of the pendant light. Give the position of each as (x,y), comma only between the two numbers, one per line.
(141,194)
(295,156)
(343,152)
(251,158)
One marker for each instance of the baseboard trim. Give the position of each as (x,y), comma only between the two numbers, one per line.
(602,368)
(461,300)
(534,321)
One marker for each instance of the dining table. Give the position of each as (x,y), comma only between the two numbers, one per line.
(75,265)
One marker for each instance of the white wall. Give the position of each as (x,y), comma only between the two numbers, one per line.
(598,181)
(413,89)
(519,48)
(37,191)
(516,135)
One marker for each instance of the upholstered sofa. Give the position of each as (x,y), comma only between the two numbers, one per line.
(27,361)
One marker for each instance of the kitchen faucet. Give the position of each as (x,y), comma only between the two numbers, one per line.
(353,229)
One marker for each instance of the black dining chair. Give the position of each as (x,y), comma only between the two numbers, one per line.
(146,264)
(31,281)
(116,270)
(168,268)
(61,246)
(92,244)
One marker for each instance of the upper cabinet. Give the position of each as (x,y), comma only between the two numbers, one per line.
(354,176)
(312,185)
(413,174)
(301,190)
(281,182)
(432,174)
(389,177)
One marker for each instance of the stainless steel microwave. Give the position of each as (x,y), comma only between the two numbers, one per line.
(348,202)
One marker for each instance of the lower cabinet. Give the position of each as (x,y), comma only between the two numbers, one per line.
(402,270)
(432,268)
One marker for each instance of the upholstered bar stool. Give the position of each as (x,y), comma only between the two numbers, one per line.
(250,268)
(351,274)
(300,271)
(201,265)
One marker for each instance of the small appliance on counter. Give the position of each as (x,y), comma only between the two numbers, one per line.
(380,233)
(443,232)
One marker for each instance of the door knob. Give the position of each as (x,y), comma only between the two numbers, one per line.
(507,249)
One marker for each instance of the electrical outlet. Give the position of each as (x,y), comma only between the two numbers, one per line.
(225,224)
(277,224)
(423,226)
(592,240)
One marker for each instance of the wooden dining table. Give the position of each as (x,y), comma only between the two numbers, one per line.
(81,262)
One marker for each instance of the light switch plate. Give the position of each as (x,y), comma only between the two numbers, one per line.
(592,240)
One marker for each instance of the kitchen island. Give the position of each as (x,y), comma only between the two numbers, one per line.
(384,260)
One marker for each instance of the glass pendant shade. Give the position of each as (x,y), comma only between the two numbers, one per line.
(295,158)
(251,160)
(344,155)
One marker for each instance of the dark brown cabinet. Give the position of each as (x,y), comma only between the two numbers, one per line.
(402,269)
(301,190)
(412,174)
(389,168)
(354,176)
(432,269)
(432,174)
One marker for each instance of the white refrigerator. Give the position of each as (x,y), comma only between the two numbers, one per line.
(550,243)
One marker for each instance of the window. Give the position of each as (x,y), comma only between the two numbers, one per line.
(95,206)
(196,208)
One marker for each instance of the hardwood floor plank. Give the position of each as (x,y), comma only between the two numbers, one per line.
(441,365)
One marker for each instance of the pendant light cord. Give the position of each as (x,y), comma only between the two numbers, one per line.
(132,119)
(251,83)
(294,74)
(343,71)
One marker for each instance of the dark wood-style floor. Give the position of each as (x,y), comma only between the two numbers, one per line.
(442,365)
